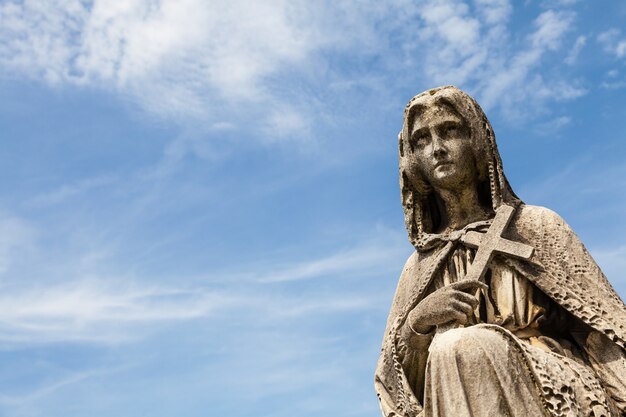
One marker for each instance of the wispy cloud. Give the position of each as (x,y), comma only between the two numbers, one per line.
(116,310)
(179,59)
(613,42)
(518,83)
(106,313)
(366,259)
(613,80)
(96,311)
(25,399)
(553,3)
(572,56)
(477,51)
(68,191)
(552,126)
(613,85)
(201,63)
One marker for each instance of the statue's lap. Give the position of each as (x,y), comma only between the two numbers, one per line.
(487,354)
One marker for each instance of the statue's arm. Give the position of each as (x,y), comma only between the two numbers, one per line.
(413,352)
(385,399)
(411,348)
(412,364)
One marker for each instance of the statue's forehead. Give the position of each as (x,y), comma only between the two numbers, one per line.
(434,113)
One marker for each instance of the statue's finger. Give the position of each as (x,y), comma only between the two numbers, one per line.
(466,298)
(459,317)
(463,307)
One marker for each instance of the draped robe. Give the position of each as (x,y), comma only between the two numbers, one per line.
(547,337)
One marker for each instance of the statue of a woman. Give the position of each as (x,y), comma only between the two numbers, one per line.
(543,336)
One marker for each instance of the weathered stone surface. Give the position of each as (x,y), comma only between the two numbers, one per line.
(500,311)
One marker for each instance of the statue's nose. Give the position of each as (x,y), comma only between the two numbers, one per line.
(438,146)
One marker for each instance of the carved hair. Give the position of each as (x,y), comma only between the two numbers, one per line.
(420,210)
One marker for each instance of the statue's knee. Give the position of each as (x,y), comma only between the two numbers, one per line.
(451,341)
(465,343)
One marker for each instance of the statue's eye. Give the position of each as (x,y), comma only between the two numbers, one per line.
(419,140)
(452,130)
(422,139)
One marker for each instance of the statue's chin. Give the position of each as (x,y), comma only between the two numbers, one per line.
(451,177)
(446,176)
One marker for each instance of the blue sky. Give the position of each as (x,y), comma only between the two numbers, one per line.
(199,211)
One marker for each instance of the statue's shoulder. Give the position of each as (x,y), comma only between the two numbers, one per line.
(411,263)
(527,211)
(410,270)
(539,219)
(411,277)
(416,262)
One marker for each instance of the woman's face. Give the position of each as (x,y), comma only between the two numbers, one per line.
(440,149)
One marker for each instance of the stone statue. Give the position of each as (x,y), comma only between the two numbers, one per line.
(500,311)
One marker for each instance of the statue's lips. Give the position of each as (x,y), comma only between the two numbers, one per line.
(442,164)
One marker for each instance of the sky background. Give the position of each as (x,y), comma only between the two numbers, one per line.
(199,204)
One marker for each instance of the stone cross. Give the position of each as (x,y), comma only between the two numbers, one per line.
(492,242)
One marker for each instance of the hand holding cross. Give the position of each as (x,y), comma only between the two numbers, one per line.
(489,244)
(450,306)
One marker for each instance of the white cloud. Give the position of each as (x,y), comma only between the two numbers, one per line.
(494,11)
(386,252)
(550,27)
(67,191)
(453,36)
(519,82)
(580,43)
(178,59)
(476,51)
(562,2)
(561,121)
(613,42)
(96,311)
(553,126)
(203,62)
(615,85)
(116,310)
(91,311)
